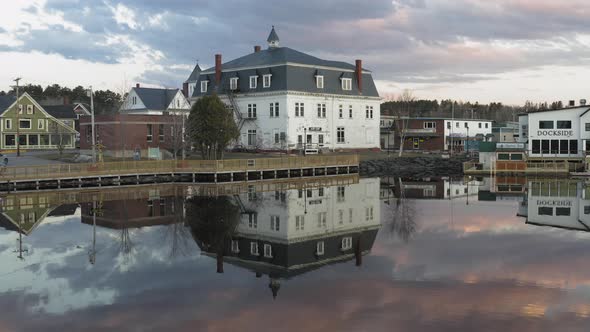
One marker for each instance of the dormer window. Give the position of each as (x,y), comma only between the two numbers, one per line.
(266,81)
(253,82)
(233,83)
(347,84)
(319,81)
(204,86)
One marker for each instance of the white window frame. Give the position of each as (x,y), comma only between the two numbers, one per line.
(319,81)
(300,223)
(319,248)
(274,110)
(267,250)
(346,243)
(30,124)
(41,124)
(266,80)
(275,223)
(233,83)
(322,220)
(350,111)
(340,111)
(299,110)
(21,108)
(254,249)
(253,82)
(204,86)
(347,84)
(340,140)
(253,220)
(429,125)
(149,133)
(251,111)
(235,246)
(322,111)
(30,109)
(8,124)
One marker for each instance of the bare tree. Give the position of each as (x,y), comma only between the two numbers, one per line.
(58,138)
(178,233)
(403,222)
(403,117)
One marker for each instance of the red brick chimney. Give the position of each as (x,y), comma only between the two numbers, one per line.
(217,69)
(359,74)
(257,48)
(185,89)
(66,100)
(137,85)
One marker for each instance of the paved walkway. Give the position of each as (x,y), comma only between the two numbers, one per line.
(27,159)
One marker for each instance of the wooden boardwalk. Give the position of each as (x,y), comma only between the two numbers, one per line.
(167,171)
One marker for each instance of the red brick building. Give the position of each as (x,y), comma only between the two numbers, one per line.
(423,134)
(123,134)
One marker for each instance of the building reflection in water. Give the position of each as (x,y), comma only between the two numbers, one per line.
(560,203)
(282,234)
(269,230)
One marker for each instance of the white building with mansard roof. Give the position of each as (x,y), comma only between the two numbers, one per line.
(282,98)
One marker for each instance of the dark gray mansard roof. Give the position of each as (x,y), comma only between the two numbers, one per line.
(285,76)
(156,99)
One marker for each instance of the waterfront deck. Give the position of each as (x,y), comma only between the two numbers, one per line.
(547,168)
(184,171)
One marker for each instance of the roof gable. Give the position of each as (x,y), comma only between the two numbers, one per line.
(194,76)
(61,111)
(156,99)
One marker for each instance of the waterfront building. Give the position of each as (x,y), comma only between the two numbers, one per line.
(283,99)
(556,134)
(150,123)
(39,127)
(442,134)
(435,188)
(506,132)
(283,234)
(562,204)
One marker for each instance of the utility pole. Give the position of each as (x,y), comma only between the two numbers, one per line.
(17,118)
(452,125)
(92,124)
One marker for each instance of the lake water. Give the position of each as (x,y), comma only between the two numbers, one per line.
(344,254)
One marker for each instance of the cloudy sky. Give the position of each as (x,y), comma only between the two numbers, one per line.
(485,50)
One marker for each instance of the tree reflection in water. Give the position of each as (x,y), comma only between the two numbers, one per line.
(177,233)
(213,221)
(403,216)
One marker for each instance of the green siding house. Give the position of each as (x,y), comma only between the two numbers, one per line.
(38,129)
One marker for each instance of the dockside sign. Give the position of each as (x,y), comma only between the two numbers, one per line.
(555,133)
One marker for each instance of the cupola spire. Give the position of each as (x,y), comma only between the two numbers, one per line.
(273,38)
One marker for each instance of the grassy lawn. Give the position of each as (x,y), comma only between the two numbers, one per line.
(66,156)
(364,155)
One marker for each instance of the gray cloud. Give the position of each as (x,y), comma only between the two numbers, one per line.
(408,41)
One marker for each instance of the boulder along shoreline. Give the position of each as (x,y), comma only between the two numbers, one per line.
(412,166)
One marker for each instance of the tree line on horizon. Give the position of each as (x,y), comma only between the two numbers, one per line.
(105,101)
(496,111)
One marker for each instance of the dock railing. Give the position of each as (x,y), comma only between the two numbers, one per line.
(57,171)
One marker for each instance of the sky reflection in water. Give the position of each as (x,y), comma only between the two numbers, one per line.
(443,256)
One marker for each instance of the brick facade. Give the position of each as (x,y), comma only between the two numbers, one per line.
(419,137)
(126,133)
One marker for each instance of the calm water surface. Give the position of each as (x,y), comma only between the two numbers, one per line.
(360,255)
